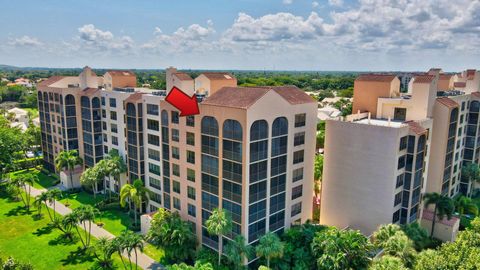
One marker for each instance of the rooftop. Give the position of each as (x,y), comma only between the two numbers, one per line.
(375,78)
(380,122)
(448,102)
(120,73)
(424,79)
(218,75)
(182,76)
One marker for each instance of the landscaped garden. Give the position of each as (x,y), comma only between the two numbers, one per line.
(42,179)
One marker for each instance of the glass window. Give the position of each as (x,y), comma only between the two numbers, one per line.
(153,140)
(175,135)
(153,168)
(297,192)
(296,209)
(153,125)
(113,115)
(190,138)
(190,120)
(300,119)
(176,186)
(191,157)
(175,117)
(210,183)
(298,156)
(176,203)
(257,211)
(209,126)
(152,109)
(175,152)
(113,102)
(259,130)
(232,150)
(191,192)
(299,139)
(232,130)
(164,118)
(258,191)
(154,154)
(258,150)
(279,146)
(280,127)
(192,210)
(232,191)
(277,184)
(258,171)
(210,165)
(176,170)
(297,174)
(190,175)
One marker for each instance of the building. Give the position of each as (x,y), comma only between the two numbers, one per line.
(396,146)
(245,152)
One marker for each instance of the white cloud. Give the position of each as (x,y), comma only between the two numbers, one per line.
(335,3)
(93,38)
(25,41)
(315,4)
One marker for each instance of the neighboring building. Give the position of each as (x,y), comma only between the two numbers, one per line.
(396,147)
(245,152)
(328,113)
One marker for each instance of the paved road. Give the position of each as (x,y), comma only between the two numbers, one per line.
(143,260)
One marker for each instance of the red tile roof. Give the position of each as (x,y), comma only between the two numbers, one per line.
(416,127)
(183,76)
(445,76)
(120,73)
(476,94)
(134,97)
(50,81)
(218,75)
(88,91)
(428,215)
(293,95)
(448,102)
(375,78)
(460,84)
(424,79)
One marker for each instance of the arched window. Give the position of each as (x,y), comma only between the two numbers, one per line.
(454,115)
(259,130)
(131,110)
(69,100)
(474,106)
(232,130)
(164,118)
(85,102)
(210,126)
(280,126)
(39,94)
(45,96)
(96,103)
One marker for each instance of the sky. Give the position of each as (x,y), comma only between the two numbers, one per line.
(323,35)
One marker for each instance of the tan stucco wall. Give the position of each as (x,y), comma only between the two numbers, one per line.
(366,93)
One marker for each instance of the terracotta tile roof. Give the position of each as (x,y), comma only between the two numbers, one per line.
(375,78)
(460,84)
(476,94)
(471,72)
(50,81)
(416,127)
(134,97)
(445,76)
(182,76)
(448,102)
(120,73)
(424,79)
(428,215)
(244,97)
(89,91)
(218,75)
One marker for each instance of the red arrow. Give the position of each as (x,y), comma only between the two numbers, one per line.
(185,104)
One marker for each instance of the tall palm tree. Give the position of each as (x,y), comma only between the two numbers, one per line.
(86,215)
(464,205)
(219,223)
(68,222)
(471,171)
(135,242)
(236,251)
(25,181)
(444,207)
(115,167)
(67,160)
(106,248)
(135,193)
(119,244)
(52,196)
(40,200)
(270,247)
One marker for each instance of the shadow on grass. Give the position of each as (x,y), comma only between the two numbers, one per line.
(78,256)
(63,240)
(18,211)
(44,230)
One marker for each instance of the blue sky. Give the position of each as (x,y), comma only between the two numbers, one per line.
(243,34)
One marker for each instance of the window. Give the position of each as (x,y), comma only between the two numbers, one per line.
(210,165)
(176,203)
(209,126)
(152,109)
(176,170)
(190,175)
(403,143)
(153,140)
(191,192)
(299,139)
(297,192)
(279,146)
(176,186)
(401,162)
(175,135)
(232,191)
(175,117)
(153,125)
(300,119)
(280,127)
(258,191)
(113,102)
(297,174)
(232,171)
(400,114)
(192,210)
(190,138)
(298,157)
(114,140)
(396,216)
(259,130)
(257,211)
(278,165)
(113,115)
(398,199)
(113,128)
(153,154)
(258,171)
(153,168)
(154,182)
(191,157)
(258,150)
(232,130)
(209,183)
(277,184)
(277,203)
(175,152)
(190,120)
(296,209)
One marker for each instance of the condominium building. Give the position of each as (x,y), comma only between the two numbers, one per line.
(395,147)
(245,152)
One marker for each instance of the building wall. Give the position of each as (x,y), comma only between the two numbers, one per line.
(366,94)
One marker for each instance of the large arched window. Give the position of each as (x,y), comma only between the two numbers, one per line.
(280,126)
(474,106)
(69,100)
(232,129)
(259,130)
(164,118)
(96,103)
(209,126)
(85,101)
(131,110)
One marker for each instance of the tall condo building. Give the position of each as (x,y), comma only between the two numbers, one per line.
(246,152)
(396,146)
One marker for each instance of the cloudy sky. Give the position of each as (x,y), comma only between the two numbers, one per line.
(242,34)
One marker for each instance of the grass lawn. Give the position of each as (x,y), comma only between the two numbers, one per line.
(31,240)
(155,253)
(116,221)
(44,181)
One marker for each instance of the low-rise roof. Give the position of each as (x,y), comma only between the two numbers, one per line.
(424,79)
(120,73)
(134,97)
(476,94)
(416,127)
(428,215)
(460,84)
(182,76)
(218,75)
(444,76)
(448,102)
(375,78)
(50,81)
(88,91)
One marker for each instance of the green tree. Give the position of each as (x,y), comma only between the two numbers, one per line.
(219,223)
(269,247)
(52,196)
(444,207)
(25,182)
(387,262)
(104,250)
(90,177)
(136,194)
(417,234)
(198,266)
(337,250)
(132,242)
(67,224)
(471,171)
(39,201)
(67,160)
(236,251)
(115,166)
(85,215)
(465,205)
(383,233)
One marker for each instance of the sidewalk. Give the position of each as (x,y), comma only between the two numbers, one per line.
(144,261)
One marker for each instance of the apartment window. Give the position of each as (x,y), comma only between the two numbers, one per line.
(191,157)
(176,170)
(257,211)
(300,120)
(400,114)
(190,175)
(104,114)
(176,203)
(153,168)
(232,191)
(296,209)
(191,192)
(190,120)
(297,192)
(175,117)
(152,109)
(277,184)
(154,182)
(154,154)
(113,102)
(156,198)
(114,140)
(176,186)
(175,135)
(153,140)
(192,210)
(401,162)
(258,191)
(299,139)
(398,199)
(297,174)
(298,156)
(209,183)
(403,143)
(175,152)
(113,115)
(190,138)
(396,216)
(103,101)
(400,179)
(153,125)
(113,128)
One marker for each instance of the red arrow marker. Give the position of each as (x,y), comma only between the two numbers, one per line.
(185,104)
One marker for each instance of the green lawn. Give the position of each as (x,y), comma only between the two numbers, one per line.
(31,240)
(155,253)
(44,181)
(116,221)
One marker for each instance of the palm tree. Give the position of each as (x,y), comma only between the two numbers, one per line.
(219,223)
(86,215)
(136,194)
(135,242)
(52,196)
(471,171)
(465,205)
(444,207)
(119,244)
(68,222)
(270,247)
(236,251)
(40,200)
(67,160)
(106,248)
(25,182)
(115,166)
